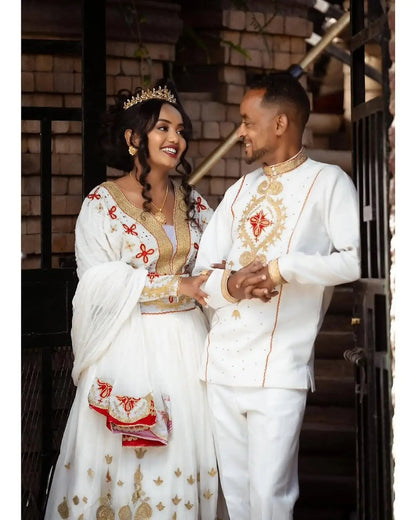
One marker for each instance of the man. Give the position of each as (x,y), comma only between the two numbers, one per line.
(288,232)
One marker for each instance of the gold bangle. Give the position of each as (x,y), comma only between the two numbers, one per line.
(224,287)
(274,272)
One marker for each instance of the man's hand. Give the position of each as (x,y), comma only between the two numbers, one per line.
(252,281)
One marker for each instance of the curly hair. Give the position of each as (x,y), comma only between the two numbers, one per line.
(141,119)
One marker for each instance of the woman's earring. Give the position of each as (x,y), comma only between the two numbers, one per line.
(132,150)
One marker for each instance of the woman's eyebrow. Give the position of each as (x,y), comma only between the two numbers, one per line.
(167,121)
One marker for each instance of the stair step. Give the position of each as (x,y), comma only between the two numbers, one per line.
(337,322)
(342,300)
(331,344)
(327,489)
(335,440)
(335,416)
(311,512)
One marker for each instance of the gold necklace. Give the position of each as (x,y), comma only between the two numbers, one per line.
(159,215)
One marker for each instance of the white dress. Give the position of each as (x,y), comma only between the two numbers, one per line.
(137,349)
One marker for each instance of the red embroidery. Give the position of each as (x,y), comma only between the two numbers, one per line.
(112,211)
(152,276)
(94,195)
(259,222)
(196,246)
(104,388)
(199,206)
(144,254)
(128,402)
(130,230)
(170,299)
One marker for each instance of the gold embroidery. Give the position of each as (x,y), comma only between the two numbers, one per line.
(108,476)
(140,452)
(90,472)
(168,288)
(125,513)
(236,314)
(167,263)
(138,476)
(255,236)
(190,479)
(174,517)
(68,466)
(104,512)
(75,500)
(208,494)
(198,476)
(274,272)
(120,483)
(224,287)
(286,166)
(212,472)
(158,481)
(108,459)
(63,509)
(273,187)
(176,500)
(143,512)
(81,516)
(160,506)
(85,500)
(178,472)
(188,505)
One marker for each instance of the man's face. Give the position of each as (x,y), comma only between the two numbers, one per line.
(257,128)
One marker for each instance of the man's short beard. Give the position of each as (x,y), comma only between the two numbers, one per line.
(257,154)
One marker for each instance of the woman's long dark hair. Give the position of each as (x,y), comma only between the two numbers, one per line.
(141,118)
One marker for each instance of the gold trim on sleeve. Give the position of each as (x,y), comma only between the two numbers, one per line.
(224,287)
(274,272)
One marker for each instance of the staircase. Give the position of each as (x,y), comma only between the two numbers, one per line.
(327,442)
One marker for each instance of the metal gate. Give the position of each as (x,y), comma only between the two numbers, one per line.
(47,389)
(372,356)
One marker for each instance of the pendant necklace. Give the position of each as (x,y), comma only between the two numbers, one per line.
(159,215)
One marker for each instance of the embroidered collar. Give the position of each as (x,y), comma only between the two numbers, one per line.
(286,166)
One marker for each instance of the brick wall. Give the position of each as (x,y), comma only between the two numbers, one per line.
(56,81)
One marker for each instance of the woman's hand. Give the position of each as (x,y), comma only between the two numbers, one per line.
(191,286)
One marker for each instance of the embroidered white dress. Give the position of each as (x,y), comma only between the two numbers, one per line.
(138,442)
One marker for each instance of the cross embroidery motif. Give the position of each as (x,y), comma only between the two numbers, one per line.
(259,222)
(144,254)
(199,206)
(130,230)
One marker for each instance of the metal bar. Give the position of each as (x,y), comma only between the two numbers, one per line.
(297,71)
(46,190)
(61,47)
(52,113)
(93,90)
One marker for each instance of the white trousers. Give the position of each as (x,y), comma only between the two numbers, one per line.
(256,434)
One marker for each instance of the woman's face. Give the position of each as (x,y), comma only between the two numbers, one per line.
(165,141)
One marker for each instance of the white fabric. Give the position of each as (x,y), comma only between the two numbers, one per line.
(256,432)
(312,228)
(95,477)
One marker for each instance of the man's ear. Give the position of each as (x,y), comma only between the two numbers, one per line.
(129,139)
(281,124)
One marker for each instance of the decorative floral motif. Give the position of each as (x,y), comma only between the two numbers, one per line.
(94,195)
(145,253)
(104,388)
(199,206)
(112,212)
(128,402)
(152,276)
(259,222)
(130,230)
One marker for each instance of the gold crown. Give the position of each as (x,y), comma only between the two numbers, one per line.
(161,93)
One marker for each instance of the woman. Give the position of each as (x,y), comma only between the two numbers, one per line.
(137,443)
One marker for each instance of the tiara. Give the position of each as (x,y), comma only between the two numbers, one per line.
(161,93)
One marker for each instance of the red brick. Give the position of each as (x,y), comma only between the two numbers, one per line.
(33,144)
(231,36)
(64,224)
(231,94)
(63,64)
(33,225)
(30,205)
(297,46)
(234,19)
(77,65)
(296,26)
(31,262)
(30,185)
(233,75)
(47,100)
(72,101)
(233,114)
(232,168)
(64,82)
(274,25)
(67,144)
(236,58)
(23,145)
(59,185)
(28,82)
(28,62)
(197,129)
(63,242)
(210,130)
(282,61)
(161,51)
(254,21)
(60,127)
(253,41)
(130,67)
(66,204)
(122,82)
(30,127)
(43,62)
(115,48)
(226,127)
(77,82)
(30,163)
(113,67)
(217,184)
(212,111)
(70,164)
(74,186)
(44,82)
(31,244)
(193,109)
(281,43)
